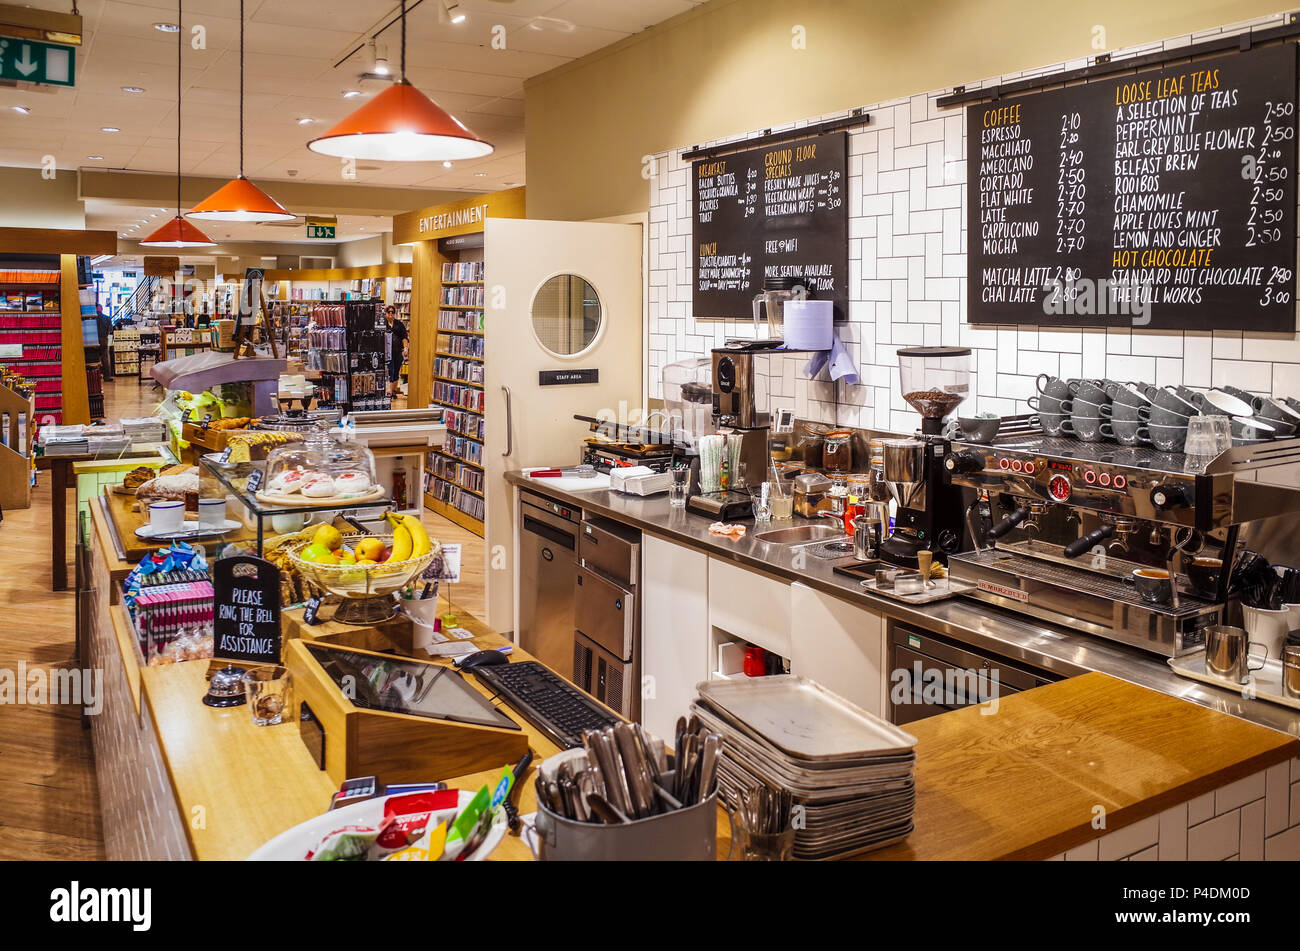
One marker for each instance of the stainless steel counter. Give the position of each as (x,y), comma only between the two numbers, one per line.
(1014,636)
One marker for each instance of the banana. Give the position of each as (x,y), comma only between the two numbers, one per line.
(420,544)
(401,544)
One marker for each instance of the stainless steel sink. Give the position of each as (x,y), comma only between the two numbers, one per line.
(799,534)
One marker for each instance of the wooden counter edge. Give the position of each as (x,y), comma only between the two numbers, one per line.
(129,649)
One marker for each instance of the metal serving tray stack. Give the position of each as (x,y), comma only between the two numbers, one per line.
(850,774)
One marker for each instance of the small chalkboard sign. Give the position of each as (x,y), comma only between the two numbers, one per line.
(188,416)
(246,598)
(207,420)
(255,481)
(310,610)
(225,455)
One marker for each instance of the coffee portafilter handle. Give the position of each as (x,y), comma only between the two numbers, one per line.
(1011,521)
(1084,543)
(979,520)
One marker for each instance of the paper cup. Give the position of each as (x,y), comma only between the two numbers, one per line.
(212,511)
(168,516)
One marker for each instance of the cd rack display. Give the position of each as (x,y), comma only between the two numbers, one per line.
(455,475)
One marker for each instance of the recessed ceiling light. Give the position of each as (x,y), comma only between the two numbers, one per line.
(305,120)
(446,164)
(167,27)
(480,174)
(133,89)
(381,67)
(110,128)
(95,158)
(551,23)
(25,110)
(351,93)
(454,13)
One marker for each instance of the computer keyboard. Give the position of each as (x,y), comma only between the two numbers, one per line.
(546,700)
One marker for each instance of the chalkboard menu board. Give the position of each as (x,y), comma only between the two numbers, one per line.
(1162,199)
(777,211)
(246,598)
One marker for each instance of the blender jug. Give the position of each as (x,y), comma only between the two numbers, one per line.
(776,291)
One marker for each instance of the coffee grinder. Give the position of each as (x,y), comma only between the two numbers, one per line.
(935,381)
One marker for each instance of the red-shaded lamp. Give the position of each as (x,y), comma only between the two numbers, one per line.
(178,233)
(401,124)
(239,200)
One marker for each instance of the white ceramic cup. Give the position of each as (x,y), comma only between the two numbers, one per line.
(212,511)
(167,516)
(1268,627)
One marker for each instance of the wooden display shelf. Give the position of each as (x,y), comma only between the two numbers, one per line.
(16,465)
(467,409)
(458,356)
(461,282)
(462,306)
(453,514)
(463,488)
(456,458)
(466,333)
(449,379)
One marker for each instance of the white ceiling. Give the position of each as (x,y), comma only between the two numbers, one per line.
(292,46)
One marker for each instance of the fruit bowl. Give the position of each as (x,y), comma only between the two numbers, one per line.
(370,586)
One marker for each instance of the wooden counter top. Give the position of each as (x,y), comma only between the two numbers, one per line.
(238,785)
(1023,783)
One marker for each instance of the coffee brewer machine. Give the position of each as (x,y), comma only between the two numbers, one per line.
(935,380)
(1062,526)
(751,381)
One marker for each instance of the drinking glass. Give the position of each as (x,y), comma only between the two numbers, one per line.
(782,507)
(267,689)
(680,483)
(1207,437)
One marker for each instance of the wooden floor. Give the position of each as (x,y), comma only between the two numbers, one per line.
(49,804)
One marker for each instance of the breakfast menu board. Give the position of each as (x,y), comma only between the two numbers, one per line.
(777,211)
(1162,199)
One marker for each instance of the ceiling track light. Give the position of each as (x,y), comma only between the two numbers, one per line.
(239,199)
(455,15)
(178,233)
(401,124)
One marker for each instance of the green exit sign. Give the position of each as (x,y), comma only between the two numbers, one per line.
(320,231)
(28,61)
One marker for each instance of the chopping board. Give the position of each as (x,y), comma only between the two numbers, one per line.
(572,483)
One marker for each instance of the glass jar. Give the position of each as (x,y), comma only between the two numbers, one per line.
(321,468)
(837,451)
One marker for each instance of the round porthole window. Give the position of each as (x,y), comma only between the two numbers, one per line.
(566,314)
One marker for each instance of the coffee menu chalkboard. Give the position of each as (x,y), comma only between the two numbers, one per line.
(1162,199)
(777,211)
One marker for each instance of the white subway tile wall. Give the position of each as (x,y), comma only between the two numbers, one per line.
(907,282)
(1254,818)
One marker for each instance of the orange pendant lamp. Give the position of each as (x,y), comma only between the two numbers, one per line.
(178,233)
(401,124)
(239,199)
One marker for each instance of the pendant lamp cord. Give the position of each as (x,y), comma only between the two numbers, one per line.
(241,88)
(179,34)
(403,40)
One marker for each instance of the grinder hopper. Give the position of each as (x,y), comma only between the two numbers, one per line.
(934,381)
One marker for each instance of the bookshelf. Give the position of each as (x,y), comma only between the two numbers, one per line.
(454,475)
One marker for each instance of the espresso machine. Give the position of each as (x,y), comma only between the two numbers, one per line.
(1061,527)
(929,516)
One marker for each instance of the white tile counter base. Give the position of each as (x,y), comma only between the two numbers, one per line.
(1253,819)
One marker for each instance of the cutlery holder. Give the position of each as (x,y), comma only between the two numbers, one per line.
(686,835)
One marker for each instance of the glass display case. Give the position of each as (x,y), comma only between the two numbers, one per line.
(277,513)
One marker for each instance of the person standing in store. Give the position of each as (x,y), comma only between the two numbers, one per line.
(397,350)
(105,328)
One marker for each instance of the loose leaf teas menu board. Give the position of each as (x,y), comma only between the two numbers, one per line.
(1176,187)
(777,211)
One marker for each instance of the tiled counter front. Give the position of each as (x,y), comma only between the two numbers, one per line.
(1253,819)
(140,817)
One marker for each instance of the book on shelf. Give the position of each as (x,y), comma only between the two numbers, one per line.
(462,271)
